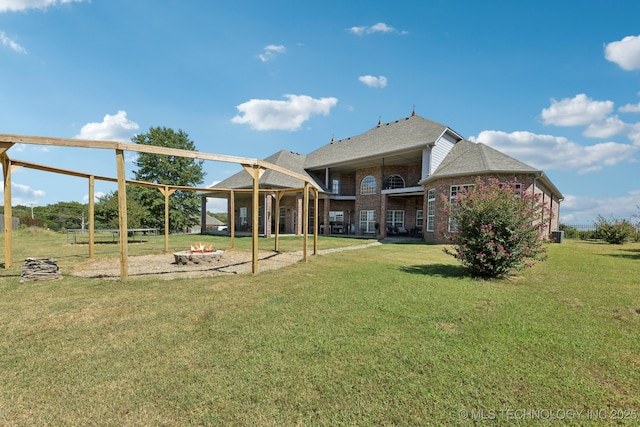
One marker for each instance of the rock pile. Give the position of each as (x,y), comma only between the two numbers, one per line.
(40,269)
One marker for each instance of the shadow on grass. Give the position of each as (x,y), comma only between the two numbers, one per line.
(630,254)
(442,270)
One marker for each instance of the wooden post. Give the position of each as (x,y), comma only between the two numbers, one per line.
(305,220)
(122,215)
(8,214)
(92,211)
(166,192)
(277,236)
(254,218)
(232,218)
(315,221)
(256,172)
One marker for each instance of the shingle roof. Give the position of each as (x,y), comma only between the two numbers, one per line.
(475,158)
(468,157)
(284,158)
(404,134)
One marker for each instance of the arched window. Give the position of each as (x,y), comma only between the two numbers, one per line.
(368,185)
(395,181)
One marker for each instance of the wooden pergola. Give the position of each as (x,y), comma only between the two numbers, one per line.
(254,167)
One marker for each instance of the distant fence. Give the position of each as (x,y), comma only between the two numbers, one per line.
(586,231)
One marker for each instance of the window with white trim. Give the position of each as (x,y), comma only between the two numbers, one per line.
(368,221)
(336,216)
(454,191)
(242,217)
(368,185)
(335,186)
(395,181)
(431,209)
(395,220)
(419,218)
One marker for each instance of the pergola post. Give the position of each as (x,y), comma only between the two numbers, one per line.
(232,218)
(122,215)
(256,172)
(315,221)
(92,211)
(254,218)
(8,214)
(279,195)
(166,192)
(305,220)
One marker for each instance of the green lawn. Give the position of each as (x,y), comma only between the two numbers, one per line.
(389,335)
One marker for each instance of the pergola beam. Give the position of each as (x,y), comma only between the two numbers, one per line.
(143,148)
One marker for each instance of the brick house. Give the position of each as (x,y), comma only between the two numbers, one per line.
(386,181)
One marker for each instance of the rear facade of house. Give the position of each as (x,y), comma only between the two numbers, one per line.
(390,180)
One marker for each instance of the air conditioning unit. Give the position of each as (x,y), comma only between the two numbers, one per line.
(557,236)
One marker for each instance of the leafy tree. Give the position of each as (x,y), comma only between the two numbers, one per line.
(184,206)
(614,231)
(498,228)
(61,215)
(106,211)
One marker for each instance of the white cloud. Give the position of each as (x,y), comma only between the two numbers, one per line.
(23,194)
(112,128)
(625,53)
(584,209)
(554,152)
(380,27)
(584,111)
(12,44)
(606,128)
(630,108)
(17,5)
(271,51)
(373,81)
(634,133)
(266,114)
(577,111)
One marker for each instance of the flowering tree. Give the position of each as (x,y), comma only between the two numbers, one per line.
(495,228)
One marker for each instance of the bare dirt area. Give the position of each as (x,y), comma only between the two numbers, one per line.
(164,267)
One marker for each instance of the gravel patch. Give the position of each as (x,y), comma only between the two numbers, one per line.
(163,266)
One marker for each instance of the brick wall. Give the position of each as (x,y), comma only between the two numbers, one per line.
(443,186)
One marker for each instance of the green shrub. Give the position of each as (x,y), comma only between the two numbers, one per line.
(614,231)
(497,228)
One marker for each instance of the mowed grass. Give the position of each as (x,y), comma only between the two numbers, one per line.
(388,335)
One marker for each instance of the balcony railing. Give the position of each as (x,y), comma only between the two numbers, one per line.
(344,190)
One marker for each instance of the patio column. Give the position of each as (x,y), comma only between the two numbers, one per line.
(8,220)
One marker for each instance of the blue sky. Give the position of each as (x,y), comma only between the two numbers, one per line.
(554,84)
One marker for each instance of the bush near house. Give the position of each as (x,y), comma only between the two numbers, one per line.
(495,228)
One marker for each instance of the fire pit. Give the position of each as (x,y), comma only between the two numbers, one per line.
(198,254)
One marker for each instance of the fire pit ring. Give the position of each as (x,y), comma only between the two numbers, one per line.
(197,257)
